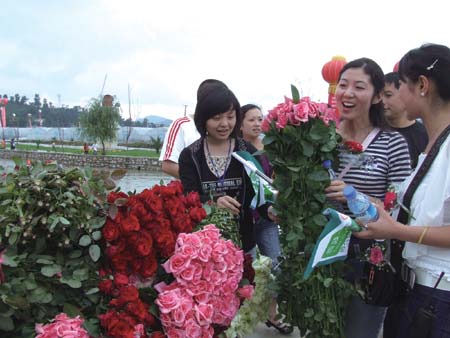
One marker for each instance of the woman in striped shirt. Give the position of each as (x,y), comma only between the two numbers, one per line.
(385,161)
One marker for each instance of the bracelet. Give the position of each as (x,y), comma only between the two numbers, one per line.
(422,235)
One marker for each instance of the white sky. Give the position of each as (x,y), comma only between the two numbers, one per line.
(164,49)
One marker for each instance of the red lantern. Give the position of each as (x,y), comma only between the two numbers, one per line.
(396,67)
(330,73)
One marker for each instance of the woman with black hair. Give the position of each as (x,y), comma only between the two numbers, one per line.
(385,161)
(207,167)
(425,90)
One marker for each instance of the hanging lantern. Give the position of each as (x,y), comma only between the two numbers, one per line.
(330,73)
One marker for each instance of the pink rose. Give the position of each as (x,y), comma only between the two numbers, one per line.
(211,232)
(376,255)
(176,263)
(168,300)
(282,121)
(188,273)
(203,314)
(175,333)
(193,330)
(246,291)
(301,111)
(265,125)
(205,252)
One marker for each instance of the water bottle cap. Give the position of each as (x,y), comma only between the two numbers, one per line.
(349,192)
(327,164)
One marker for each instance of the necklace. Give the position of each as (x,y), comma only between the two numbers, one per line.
(216,170)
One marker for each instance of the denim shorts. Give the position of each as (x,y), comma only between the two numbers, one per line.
(268,239)
(416,299)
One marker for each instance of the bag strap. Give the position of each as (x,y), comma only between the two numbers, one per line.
(367,141)
(420,174)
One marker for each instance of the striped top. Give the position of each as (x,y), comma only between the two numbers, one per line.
(384,162)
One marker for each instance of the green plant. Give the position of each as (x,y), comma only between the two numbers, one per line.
(50,225)
(300,135)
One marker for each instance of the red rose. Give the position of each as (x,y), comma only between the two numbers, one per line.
(105,286)
(128,294)
(354,147)
(119,263)
(143,244)
(197,214)
(130,223)
(193,199)
(389,200)
(138,309)
(165,243)
(120,279)
(158,334)
(110,231)
(149,266)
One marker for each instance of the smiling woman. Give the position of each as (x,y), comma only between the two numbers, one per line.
(207,166)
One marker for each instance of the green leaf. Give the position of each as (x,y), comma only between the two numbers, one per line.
(318,176)
(75,254)
(85,240)
(307,147)
(94,252)
(295,94)
(16,302)
(73,283)
(92,291)
(327,282)
(6,324)
(50,270)
(13,238)
(268,139)
(64,221)
(45,261)
(71,310)
(98,222)
(96,235)
(320,219)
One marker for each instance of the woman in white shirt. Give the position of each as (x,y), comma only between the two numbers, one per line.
(425,90)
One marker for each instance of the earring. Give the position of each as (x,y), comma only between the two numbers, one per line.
(207,133)
(422,94)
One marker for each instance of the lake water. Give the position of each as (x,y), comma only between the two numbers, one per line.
(133,180)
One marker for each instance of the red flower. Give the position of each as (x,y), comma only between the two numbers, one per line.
(158,334)
(376,255)
(143,244)
(128,294)
(120,279)
(130,223)
(149,266)
(389,200)
(197,214)
(105,286)
(354,147)
(110,231)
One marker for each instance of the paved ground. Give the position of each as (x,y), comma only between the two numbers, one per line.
(262,331)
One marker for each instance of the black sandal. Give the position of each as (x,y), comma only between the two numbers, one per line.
(283,328)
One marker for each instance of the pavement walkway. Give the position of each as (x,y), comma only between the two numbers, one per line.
(262,331)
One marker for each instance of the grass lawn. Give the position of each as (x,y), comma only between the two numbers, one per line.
(112,152)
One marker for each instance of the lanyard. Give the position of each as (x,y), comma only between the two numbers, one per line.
(216,170)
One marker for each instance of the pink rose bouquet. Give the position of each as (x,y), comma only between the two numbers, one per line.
(62,326)
(206,292)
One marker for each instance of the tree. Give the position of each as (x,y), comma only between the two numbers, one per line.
(156,143)
(99,122)
(37,101)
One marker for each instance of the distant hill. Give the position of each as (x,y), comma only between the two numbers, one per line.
(159,120)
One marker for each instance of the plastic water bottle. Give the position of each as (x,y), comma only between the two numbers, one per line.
(360,205)
(327,165)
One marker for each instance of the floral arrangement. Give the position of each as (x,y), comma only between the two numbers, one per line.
(140,232)
(353,147)
(50,231)
(69,250)
(62,326)
(254,310)
(299,136)
(205,292)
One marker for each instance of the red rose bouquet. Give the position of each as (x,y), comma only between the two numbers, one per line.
(140,231)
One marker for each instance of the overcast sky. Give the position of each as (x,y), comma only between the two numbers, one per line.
(164,49)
